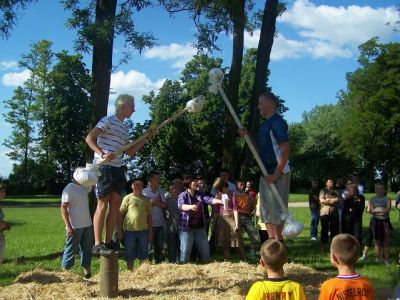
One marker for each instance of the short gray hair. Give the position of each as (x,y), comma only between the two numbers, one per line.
(122,100)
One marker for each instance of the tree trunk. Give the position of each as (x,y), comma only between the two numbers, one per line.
(102,63)
(260,81)
(229,155)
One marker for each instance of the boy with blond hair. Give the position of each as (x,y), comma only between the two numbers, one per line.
(273,256)
(344,253)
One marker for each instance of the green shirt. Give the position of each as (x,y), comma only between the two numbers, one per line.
(136,210)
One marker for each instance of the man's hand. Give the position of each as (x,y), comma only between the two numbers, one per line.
(271,178)
(70,231)
(243,131)
(108,156)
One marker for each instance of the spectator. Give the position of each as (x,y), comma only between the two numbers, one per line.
(328,198)
(192,223)
(313,202)
(173,215)
(135,224)
(379,207)
(157,200)
(3,225)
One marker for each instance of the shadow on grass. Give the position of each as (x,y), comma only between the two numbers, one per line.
(24,259)
(31,203)
(40,278)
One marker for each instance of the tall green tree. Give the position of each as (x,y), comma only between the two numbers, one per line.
(38,61)
(69,100)
(20,115)
(371,129)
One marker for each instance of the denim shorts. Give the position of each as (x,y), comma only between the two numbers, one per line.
(111,179)
(136,245)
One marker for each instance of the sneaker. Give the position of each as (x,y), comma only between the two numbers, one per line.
(87,275)
(378,260)
(387,263)
(363,258)
(313,238)
(113,245)
(101,249)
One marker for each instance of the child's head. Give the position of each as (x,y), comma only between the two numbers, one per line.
(240,186)
(137,186)
(154,179)
(2,191)
(273,255)
(380,190)
(314,183)
(330,184)
(220,184)
(173,189)
(201,181)
(345,250)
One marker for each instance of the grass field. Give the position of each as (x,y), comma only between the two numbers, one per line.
(37,237)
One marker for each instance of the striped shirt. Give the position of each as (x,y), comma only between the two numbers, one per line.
(115,135)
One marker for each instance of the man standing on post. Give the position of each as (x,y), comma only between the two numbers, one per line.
(109,135)
(274,150)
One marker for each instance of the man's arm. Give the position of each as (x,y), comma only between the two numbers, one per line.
(91,140)
(65,217)
(282,161)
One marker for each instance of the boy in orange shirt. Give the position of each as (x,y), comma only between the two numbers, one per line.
(348,284)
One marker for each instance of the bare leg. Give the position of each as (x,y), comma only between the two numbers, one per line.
(115,203)
(98,219)
(241,253)
(385,251)
(378,251)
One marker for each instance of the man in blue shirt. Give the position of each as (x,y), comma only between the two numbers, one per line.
(274,150)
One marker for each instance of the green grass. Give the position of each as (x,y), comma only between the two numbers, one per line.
(37,237)
(34,200)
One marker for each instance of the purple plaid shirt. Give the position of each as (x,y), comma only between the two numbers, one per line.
(186,198)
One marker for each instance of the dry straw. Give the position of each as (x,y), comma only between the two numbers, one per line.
(163,281)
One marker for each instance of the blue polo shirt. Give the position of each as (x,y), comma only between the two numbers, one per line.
(273,131)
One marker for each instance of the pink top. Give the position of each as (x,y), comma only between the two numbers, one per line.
(232,205)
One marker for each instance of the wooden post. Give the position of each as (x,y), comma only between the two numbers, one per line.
(109,275)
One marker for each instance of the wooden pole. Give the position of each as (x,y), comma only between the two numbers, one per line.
(109,275)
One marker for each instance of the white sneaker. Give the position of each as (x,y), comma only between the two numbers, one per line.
(363,258)
(313,238)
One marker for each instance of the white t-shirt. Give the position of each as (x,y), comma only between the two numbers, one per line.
(115,135)
(78,208)
(157,213)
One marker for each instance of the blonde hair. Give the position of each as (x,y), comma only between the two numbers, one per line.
(346,248)
(274,255)
(122,100)
(219,183)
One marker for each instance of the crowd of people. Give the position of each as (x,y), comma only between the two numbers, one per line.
(340,209)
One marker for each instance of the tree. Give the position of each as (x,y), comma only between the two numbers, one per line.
(10,9)
(20,116)
(371,128)
(38,61)
(271,10)
(68,98)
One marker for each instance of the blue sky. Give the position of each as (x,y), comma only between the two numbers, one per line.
(315,47)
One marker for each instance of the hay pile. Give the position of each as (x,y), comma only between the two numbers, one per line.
(164,281)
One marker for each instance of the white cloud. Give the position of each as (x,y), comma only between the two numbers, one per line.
(177,53)
(5,65)
(327,31)
(15,78)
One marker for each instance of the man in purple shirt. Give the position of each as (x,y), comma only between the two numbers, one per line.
(193,221)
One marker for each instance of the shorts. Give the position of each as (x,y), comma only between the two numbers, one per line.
(111,179)
(271,211)
(381,231)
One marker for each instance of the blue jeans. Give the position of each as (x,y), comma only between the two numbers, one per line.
(158,244)
(247,224)
(197,236)
(172,246)
(314,221)
(136,245)
(82,241)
